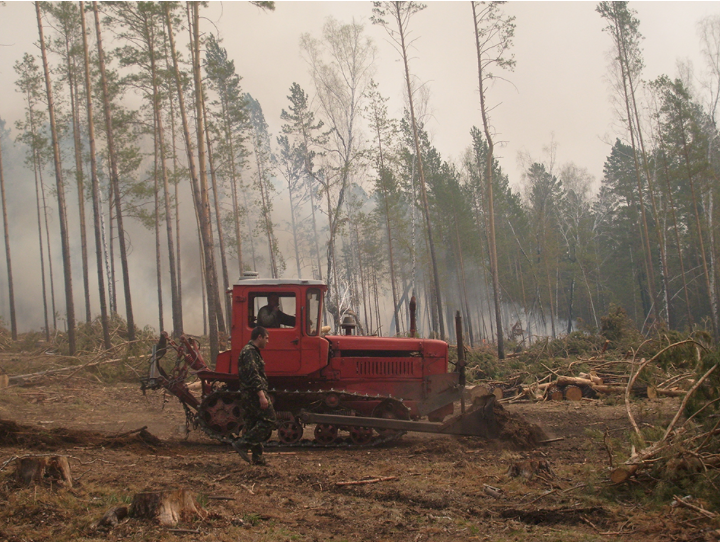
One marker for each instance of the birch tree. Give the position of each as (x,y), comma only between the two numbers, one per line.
(341,66)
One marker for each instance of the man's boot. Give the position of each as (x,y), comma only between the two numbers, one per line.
(257,456)
(241,448)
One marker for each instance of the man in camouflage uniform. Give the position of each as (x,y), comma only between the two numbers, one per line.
(260,419)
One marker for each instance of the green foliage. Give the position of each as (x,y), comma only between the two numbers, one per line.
(618,328)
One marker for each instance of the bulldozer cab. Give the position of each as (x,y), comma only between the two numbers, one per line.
(291,312)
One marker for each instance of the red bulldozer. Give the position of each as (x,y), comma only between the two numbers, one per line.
(354,390)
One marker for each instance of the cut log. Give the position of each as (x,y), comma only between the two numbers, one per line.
(573,381)
(4,381)
(554,394)
(45,470)
(476,391)
(622,473)
(573,393)
(166,507)
(498,393)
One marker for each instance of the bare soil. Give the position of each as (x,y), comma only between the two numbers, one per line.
(439,488)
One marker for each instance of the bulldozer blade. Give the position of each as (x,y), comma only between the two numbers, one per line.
(478,421)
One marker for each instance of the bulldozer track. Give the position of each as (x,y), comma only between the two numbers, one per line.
(197,419)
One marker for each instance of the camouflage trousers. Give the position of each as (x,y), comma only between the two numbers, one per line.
(259,423)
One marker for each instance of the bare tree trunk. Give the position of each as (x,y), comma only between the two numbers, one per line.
(79,174)
(221,237)
(110,254)
(158,262)
(708,284)
(387,226)
(40,239)
(180,325)
(201,189)
(97,206)
(266,215)
(115,180)
(423,191)
(233,181)
(200,209)
(176,311)
(490,199)
(465,302)
(8,259)
(64,237)
(314,225)
(624,69)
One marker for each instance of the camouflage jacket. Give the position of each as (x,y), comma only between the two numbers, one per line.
(251,369)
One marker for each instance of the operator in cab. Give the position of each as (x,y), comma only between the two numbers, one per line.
(270,316)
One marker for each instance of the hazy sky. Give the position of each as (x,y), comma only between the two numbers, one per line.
(558,90)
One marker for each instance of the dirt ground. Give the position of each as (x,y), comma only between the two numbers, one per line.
(439,488)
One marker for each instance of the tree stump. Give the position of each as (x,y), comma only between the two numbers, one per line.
(167,507)
(4,381)
(111,518)
(573,393)
(46,470)
(530,468)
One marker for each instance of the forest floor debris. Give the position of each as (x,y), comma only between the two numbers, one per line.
(430,487)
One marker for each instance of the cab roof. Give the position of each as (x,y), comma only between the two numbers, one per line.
(277,282)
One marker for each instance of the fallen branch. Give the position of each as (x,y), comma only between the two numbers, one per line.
(549,440)
(370,481)
(128,433)
(21,378)
(707,513)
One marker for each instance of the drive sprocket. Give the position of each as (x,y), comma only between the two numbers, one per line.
(221,415)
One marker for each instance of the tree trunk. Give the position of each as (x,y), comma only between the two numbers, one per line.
(710,292)
(156,196)
(176,312)
(202,190)
(233,185)
(79,174)
(115,180)
(624,69)
(11,289)
(218,222)
(490,200)
(423,191)
(42,251)
(97,206)
(391,260)
(62,209)
(180,325)
(110,254)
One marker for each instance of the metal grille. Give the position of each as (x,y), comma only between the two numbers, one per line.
(384,367)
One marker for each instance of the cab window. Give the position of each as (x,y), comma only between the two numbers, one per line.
(312,325)
(272,310)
